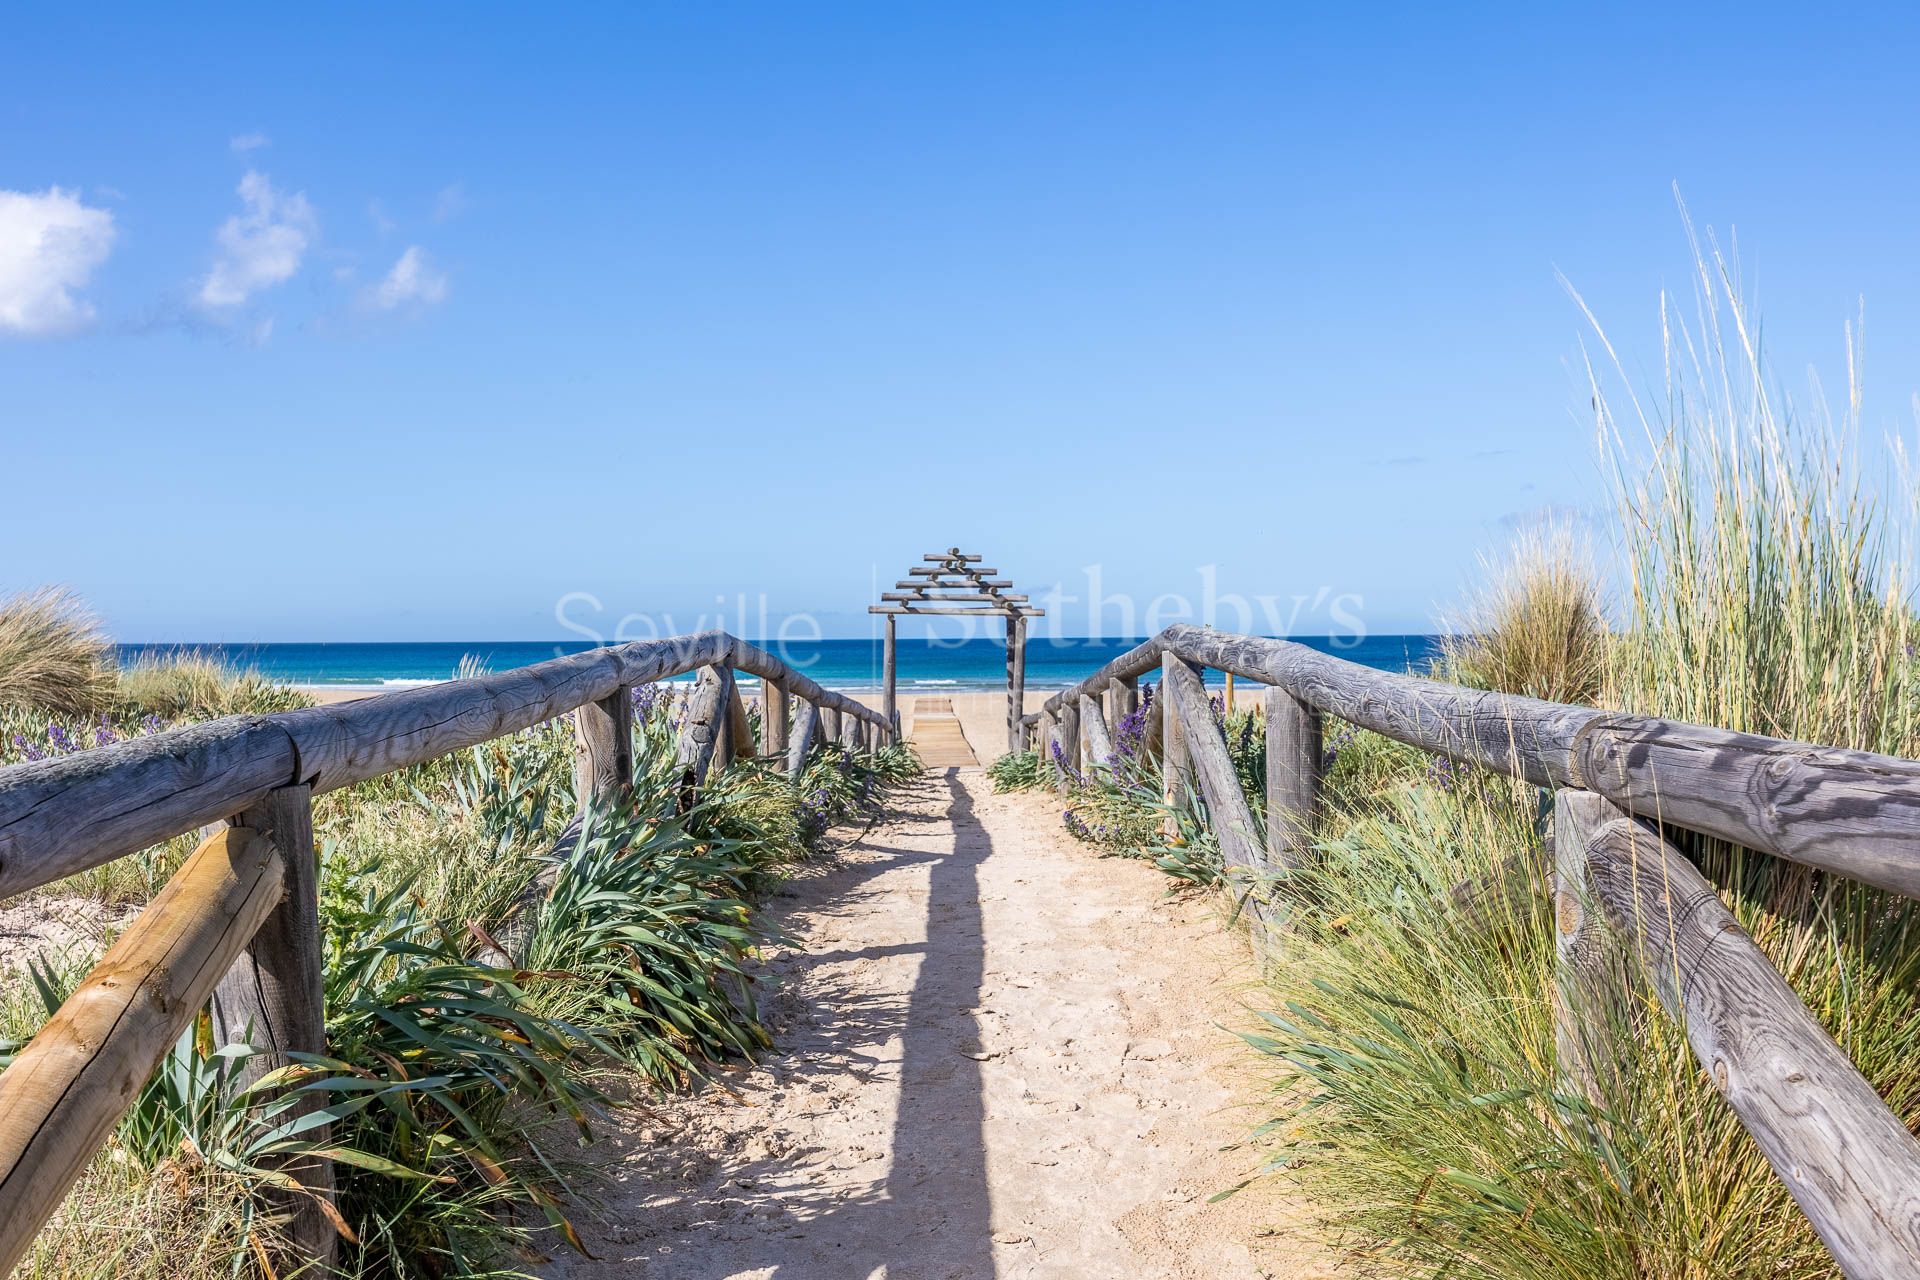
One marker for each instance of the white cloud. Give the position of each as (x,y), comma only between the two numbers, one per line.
(50,244)
(412,280)
(260,246)
(244,142)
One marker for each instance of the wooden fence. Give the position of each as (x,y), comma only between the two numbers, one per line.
(238,924)
(1624,898)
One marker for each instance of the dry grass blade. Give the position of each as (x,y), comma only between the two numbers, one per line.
(53,657)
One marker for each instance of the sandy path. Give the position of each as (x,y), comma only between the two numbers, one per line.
(1000,1057)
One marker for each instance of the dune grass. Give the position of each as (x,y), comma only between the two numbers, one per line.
(463,1093)
(53,657)
(1536,627)
(1761,587)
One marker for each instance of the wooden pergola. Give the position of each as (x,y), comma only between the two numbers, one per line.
(953,584)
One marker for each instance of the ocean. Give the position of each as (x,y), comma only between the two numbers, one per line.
(925,665)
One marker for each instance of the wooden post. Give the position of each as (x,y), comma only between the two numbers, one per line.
(603,750)
(774,714)
(1845,1158)
(1231,819)
(805,728)
(1016,677)
(1590,1007)
(1069,745)
(888,668)
(705,725)
(1294,757)
(739,725)
(1044,730)
(273,997)
(725,735)
(1127,688)
(74,1080)
(1176,771)
(830,727)
(1226,702)
(1093,726)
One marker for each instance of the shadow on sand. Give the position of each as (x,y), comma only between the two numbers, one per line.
(928,1217)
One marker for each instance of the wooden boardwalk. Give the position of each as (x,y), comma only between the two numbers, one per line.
(937,737)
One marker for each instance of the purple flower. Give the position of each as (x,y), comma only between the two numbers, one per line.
(1342,738)
(1131,733)
(646,697)
(152,723)
(1060,759)
(58,737)
(28,749)
(1442,773)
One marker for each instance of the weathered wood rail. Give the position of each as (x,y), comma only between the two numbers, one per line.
(238,923)
(1625,900)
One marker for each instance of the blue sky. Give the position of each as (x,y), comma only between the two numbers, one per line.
(663,303)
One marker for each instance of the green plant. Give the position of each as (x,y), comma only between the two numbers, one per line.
(453,1079)
(199,686)
(1017,771)
(643,937)
(1536,626)
(53,658)
(1411,1007)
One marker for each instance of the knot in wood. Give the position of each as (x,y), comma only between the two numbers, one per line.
(1566,912)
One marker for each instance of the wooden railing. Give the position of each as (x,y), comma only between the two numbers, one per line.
(1624,897)
(238,924)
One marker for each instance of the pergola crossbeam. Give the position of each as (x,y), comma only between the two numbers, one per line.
(953,584)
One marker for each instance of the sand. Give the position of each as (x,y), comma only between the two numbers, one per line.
(999,1055)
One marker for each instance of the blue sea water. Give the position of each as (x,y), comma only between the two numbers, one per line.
(925,665)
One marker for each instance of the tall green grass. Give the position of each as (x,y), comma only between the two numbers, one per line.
(1760,584)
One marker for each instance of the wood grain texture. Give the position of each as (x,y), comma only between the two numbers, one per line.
(1591,1009)
(1176,767)
(59,817)
(1016,680)
(705,724)
(1851,812)
(1845,1158)
(351,741)
(1093,731)
(1132,664)
(273,998)
(889,667)
(1295,753)
(1230,817)
(70,1085)
(739,724)
(603,749)
(775,721)
(806,727)
(1067,734)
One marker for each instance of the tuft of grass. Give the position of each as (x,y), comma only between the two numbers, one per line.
(199,686)
(1536,627)
(1410,1023)
(1017,771)
(53,657)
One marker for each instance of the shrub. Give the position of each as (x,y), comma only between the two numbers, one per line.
(1419,1106)
(1536,628)
(1017,771)
(198,686)
(53,658)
